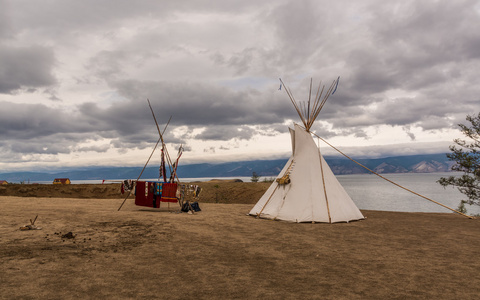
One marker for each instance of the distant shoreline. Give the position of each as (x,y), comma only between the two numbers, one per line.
(429,163)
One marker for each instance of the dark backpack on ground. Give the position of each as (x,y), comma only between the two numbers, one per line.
(195,206)
(185,207)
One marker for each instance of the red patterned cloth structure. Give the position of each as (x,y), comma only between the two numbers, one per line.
(151,193)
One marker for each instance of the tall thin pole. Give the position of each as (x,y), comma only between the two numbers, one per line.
(309,97)
(163,143)
(148,160)
(294,102)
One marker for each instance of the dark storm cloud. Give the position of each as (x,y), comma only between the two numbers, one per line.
(226,132)
(411,49)
(426,33)
(222,111)
(213,65)
(300,30)
(25,67)
(64,17)
(5,23)
(99,149)
(416,48)
(419,46)
(27,121)
(196,103)
(39,129)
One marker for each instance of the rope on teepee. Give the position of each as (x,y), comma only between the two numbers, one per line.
(384,178)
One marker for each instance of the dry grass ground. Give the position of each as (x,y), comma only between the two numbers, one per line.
(220,253)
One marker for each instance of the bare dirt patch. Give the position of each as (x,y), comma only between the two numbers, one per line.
(220,253)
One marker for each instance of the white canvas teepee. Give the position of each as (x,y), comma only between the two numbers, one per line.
(306,190)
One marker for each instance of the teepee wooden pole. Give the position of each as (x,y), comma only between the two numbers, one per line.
(307,111)
(324,186)
(392,182)
(327,94)
(271,195)
(319,106)
(268,200)
(304,110)
(315,105)
(309,97)
(294,102)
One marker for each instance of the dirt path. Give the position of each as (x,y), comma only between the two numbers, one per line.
(220,253)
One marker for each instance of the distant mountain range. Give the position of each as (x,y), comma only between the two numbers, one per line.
(429,163)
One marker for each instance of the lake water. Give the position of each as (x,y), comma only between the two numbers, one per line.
(369,191)
(372,192)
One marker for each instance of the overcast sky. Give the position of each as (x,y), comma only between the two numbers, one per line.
(75,77)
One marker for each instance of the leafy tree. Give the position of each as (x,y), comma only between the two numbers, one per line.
(467,158)
(255,177)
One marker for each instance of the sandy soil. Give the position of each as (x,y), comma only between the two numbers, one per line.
(220,253)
